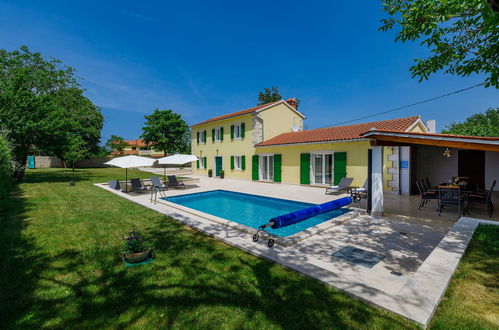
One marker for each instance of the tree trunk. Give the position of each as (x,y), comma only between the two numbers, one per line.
(20,167)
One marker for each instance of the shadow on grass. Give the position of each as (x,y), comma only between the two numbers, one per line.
(194,281)
(20,262)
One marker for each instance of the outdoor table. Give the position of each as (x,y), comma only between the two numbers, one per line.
(463,196)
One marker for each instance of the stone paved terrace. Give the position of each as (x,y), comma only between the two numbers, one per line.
(414,247)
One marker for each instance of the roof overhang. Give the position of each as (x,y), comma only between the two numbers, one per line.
(312,142)
(386,138)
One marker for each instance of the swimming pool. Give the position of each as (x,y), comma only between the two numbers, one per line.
(251,210)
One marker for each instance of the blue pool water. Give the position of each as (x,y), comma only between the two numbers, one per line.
(251,210)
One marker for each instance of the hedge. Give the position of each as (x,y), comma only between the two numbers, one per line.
(5,168)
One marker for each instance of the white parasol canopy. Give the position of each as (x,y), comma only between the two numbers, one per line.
(177,159)
(127,162)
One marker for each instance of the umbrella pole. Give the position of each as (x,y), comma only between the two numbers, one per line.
(126,179)
(164,173)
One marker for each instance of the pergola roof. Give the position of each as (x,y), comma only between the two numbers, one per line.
(391,138)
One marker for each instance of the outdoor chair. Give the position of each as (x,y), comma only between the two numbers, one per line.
(137,185)
(115,185)
(173,183)
(158,186)
(449,196)
(425,195)
(357,193)
(342,187)
(484,199)
(427,185)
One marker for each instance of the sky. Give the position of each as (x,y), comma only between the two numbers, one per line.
(206,58)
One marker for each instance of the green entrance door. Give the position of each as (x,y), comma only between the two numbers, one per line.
(218,165)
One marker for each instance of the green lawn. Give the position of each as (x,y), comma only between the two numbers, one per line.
(61,267)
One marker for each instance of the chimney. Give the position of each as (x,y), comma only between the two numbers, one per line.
(293,102)
(432,125)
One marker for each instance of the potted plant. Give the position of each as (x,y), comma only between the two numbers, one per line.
(222,174)
(210,173)
(134,248)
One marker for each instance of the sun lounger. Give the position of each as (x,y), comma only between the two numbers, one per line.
(137,185)
(342,187)
(173,183)
(158,186)
(115,185)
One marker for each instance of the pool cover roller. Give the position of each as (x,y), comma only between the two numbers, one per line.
(300,215)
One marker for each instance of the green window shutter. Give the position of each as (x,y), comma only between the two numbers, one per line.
(197,163)
(277,168)
(254,168)
(340,166)
(231,162)
(242,130)
(204,136)
(221,133)
(212,135)
(198,136)
(305,168)
(243,162)
(205,163)
(232,132)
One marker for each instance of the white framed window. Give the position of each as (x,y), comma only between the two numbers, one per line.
(202,137)
(237,131)
(238,160)
(322,166)
(267,167)
(218,134)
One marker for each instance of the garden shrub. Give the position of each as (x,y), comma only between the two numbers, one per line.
(5,168)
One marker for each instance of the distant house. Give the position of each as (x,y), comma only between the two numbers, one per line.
(139,148)
(267,143)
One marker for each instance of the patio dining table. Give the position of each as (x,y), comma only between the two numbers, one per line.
(463,194)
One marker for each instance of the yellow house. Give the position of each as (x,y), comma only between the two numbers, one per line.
(228,142)
(268,143)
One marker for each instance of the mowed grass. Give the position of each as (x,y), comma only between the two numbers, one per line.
(472,299)
(61,267)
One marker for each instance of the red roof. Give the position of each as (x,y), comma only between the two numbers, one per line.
(138,143)
(335,133)
(418,134)
(237,113)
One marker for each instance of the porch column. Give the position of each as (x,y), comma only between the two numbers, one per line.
(377,181)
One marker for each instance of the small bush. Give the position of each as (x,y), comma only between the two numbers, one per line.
(5,168)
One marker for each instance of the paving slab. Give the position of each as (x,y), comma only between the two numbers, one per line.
(410,280)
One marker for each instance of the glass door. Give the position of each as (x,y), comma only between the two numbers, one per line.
(267,167)
(323,168)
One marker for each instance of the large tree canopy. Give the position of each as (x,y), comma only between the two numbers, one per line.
(42,107)
(463,35)
(165,130)
(269,95)
(480,124)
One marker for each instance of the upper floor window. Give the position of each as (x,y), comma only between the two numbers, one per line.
(201,137)
(237,131)
(217,134)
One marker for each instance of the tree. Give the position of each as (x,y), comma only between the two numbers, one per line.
(165,130)
(463,35)
(74,118)
(269,95)
(115,145)
(77,149)
(42,106)
(480,124)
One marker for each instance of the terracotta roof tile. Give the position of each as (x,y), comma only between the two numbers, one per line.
(336,133)
(416,134)
(138,142)
(234,114)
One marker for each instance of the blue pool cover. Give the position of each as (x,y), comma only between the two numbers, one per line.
(251,210)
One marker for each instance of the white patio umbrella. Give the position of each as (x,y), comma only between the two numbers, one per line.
(131,161)
(177,159)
